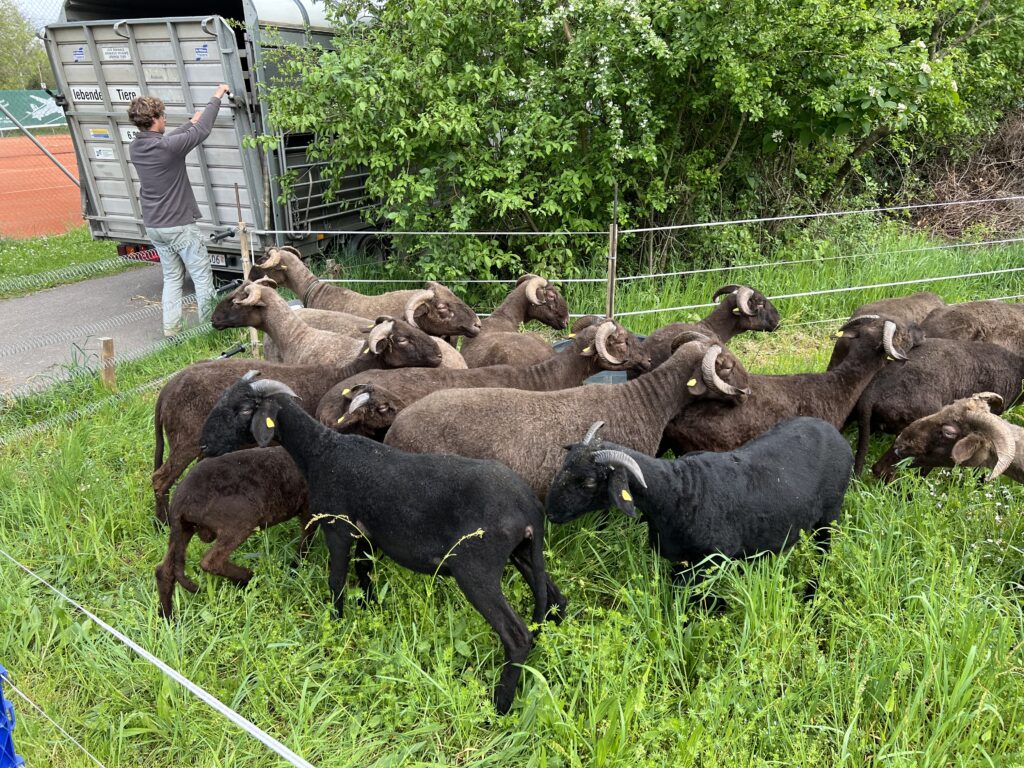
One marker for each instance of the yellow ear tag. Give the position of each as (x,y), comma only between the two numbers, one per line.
(691,383)
(366,351)
(586,350)
(345,391)
(341,419)
(735,310)
(571,336)
(270,422)
(626,495)
(839,334)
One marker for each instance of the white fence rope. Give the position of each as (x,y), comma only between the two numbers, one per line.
(54,723)
(211,700)
(636,230)
(826,291)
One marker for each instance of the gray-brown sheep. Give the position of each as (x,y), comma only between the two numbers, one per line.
(500,342)
(434,309)
(905,310)
(526,430)
(992,321)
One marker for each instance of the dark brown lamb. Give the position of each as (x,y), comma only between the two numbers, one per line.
(225,499)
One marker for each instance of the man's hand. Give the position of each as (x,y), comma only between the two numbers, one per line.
(221,90)
(195,118)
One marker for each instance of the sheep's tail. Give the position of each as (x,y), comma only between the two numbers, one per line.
(864,408)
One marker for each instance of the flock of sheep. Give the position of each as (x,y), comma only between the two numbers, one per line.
(449,461)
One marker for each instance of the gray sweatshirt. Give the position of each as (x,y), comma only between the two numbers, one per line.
(159,158)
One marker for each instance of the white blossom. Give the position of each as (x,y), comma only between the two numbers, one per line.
(926,68)
(952,84)
(872,91)
(901,107)
(777,136)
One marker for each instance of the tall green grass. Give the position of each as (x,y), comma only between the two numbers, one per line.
(32,264)
(910,655)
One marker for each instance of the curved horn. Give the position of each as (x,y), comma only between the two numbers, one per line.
(601,341)
(415,301)
(272,258)
(252,296)
(624,460)
(998,431)
(592,432)
(533,285)
(250,375)
(267,281)
(267,387)
(990,399)
(725,289)
(743,296)
(887,333)
(710,375)
(292,250)
(858,320)
(378,333)
(358,402)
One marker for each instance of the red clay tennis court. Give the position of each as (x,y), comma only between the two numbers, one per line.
(36,198)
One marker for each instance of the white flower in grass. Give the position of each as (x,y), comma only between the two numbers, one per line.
(926,68)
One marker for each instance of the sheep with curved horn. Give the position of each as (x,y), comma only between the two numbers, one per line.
(741,309)
(534,425)
(754,499)
(830,396)
(605,345)
(500,342)
(965,433)
(440,314)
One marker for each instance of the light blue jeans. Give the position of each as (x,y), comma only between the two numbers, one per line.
(182,248)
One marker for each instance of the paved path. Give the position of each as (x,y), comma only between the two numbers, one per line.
(42,334)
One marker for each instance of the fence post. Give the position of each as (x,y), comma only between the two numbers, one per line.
(8,757)
(613,255)
(108,375)
(243,241)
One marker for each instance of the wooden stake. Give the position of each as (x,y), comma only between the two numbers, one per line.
(243,241)
(108,374)
(613,256)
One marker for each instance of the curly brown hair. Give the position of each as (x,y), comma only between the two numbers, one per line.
(145,110)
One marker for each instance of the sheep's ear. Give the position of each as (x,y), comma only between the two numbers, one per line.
(618,489)
(695,384)
(264,421)
(965,448)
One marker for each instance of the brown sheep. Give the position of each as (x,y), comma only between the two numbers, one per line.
(434,309)
(225,499)
(905,310)
(500,342)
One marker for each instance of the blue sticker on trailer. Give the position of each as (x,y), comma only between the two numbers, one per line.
(8,757)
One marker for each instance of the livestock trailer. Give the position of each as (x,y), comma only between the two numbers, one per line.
(104,53)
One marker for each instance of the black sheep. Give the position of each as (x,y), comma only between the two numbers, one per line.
(756,498)
(431,513)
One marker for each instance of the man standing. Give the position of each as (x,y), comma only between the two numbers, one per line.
(169,208)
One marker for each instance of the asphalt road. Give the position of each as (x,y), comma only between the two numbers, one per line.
(44,335)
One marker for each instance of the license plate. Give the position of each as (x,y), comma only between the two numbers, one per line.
(218,259)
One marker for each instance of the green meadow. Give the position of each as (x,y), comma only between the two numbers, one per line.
(910,654)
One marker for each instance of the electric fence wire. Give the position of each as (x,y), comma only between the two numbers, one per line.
(638,230)
(699,271)
(253,730)
(54,723)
